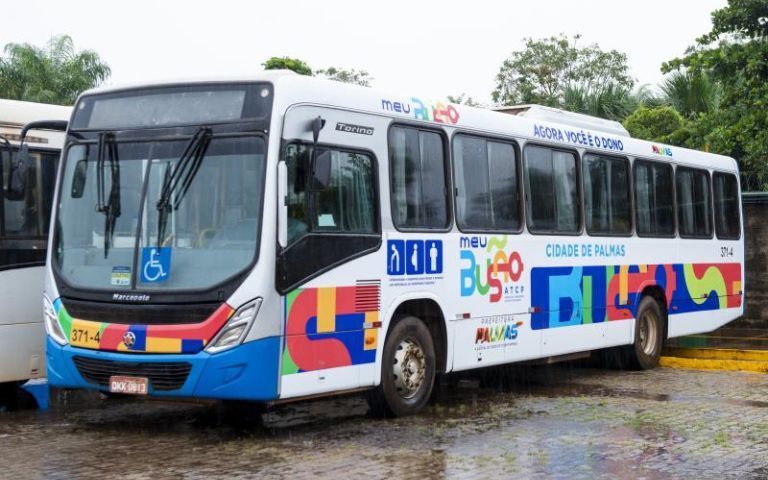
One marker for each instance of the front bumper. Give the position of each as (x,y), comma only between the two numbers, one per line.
(247,372)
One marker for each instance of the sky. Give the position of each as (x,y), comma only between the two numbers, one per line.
(426,48)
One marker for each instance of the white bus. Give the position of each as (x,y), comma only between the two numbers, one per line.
(24,217)
(282,237)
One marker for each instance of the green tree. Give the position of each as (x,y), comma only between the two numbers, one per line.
(464,99)
(613,102)
(658,124)
(691,93)
(343,75)
(287,63)
(546,68)
(734,53)
(54,74)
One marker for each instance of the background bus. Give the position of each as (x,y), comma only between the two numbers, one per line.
(24,218)
(282,237)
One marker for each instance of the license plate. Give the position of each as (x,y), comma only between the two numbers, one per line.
(129,385)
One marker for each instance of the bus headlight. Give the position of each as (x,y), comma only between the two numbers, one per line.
(234,331)
(52,326)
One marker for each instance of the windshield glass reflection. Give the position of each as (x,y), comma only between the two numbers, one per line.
(210,227)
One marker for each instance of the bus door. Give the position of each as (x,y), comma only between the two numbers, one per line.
(330,264)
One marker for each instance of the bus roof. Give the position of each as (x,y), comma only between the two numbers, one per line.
(15,114)
(576,131)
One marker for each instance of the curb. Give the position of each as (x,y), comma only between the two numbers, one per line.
(715,359)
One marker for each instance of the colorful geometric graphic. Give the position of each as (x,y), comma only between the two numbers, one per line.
(488,266)
(565,296)
(331,327)
(666,151)
(438,112)
(184,338)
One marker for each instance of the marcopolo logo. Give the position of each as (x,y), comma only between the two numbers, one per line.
(123,297)
(414,257)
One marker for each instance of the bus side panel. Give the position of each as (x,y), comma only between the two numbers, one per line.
(22,335)
(693,322)
(22,352)
(331,330)
(574,290)
(599,299)
(710,286)
(489,291)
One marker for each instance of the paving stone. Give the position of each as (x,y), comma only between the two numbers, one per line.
(554,422)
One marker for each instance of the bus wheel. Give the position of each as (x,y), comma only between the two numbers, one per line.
(649,331)
(407,370)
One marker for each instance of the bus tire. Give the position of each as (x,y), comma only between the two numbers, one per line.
(644,353)
(407,370)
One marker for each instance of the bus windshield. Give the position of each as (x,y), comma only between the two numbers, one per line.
(113,232)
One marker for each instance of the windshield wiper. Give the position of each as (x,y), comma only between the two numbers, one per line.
(181,178)
(110,208)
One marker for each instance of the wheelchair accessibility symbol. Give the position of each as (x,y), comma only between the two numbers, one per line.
(155,264)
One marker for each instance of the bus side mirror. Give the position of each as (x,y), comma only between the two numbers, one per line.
(78,180)
(321,169)
(17,177)
(317,125)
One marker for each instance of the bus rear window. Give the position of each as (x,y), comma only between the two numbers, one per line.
(727,223)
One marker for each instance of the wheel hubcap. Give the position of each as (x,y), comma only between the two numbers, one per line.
(648,332)
(409,368)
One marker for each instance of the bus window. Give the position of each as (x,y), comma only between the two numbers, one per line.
(25,218)
(552,198)
(487,196)
(606,195)
(345,205)
(726,206)
(419,193)
(694,205)
(331,223)
(654,213)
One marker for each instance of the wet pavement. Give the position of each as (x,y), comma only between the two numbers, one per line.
(524,422)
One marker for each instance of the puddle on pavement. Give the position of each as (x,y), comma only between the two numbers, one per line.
(746,403)
(477,418)
(465,396)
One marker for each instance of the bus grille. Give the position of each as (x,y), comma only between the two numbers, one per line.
(139,314)
(162,376)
